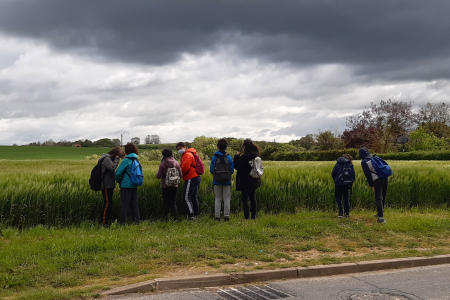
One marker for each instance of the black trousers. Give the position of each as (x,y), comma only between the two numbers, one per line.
(380,186)
(341,194)
(129,199)
(246,195)
(107,206)
(170,201)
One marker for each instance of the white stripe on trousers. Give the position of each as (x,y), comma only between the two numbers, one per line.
(186,197)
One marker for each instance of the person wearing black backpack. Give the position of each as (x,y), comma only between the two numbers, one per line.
(379,184)
(343,175)
(222,168)
(109,162)
(245,183)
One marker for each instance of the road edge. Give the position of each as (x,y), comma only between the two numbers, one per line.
(222,279)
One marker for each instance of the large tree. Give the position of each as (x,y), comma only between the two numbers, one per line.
(387,120)
(435,119)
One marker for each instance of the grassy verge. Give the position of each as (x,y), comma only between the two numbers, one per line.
(77,262)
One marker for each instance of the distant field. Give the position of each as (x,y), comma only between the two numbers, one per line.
(28,152)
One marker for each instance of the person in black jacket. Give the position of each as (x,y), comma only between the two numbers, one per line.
(343,175)
(379,185)
(245,183)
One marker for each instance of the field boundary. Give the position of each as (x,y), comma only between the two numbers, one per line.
(222,279)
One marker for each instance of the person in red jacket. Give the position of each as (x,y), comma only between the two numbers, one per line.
(191,179)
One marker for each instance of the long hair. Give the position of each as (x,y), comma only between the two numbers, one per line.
(116,151)
(251,147)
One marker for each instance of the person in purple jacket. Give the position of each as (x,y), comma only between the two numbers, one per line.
(170,173)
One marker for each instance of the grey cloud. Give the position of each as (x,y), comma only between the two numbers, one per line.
(376,37)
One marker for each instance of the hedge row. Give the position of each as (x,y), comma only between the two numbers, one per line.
(314,155)
(332,155)
(418,155)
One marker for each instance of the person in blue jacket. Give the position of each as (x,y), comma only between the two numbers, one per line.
(128,191)
(222,168)
(378,184)
(343,175)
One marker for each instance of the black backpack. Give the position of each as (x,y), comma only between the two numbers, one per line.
(345,175)
(222,170)
(95,181)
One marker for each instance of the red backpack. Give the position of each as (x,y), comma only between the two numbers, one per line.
(199,166)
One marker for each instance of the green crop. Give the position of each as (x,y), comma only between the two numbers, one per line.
(56,192)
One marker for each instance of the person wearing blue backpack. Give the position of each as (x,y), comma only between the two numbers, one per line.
(377,172)
(343,175)
(129,176)
(222,168)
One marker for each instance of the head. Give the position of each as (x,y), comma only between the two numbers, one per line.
(181,148)
(249,146)
(116,151)
(364,153)
(131,148)
(222,144)
(167,153)
(348,157)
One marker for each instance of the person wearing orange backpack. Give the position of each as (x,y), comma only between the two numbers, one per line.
(191,167)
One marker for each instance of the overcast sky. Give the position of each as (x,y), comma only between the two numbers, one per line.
(261,69)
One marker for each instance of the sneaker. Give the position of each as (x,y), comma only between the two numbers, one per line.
(226,219)
(217,219)
(340,215)
(381,220)
(347,215)
(192,219)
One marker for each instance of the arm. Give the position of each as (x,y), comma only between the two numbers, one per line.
(230,161)
(211,166)
(186,162)
(367,172)
(111,165)
(333,173)
(120,170)
(237,160)
(159,174)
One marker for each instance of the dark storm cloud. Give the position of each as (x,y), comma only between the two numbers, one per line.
(376,37)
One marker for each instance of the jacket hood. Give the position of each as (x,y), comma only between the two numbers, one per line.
(192,150)
(364,153)
(219,154)
(132,155)
(104,155)
(342,161)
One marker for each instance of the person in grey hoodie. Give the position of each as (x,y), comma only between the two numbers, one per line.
(169,193)
(110,161)
(379,185)
(343,175)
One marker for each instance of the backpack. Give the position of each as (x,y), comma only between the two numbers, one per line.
(222,170)
(257,167)
(199,166)
(95,181)
(346,176)
(172,177)
(136,176)
(383,170)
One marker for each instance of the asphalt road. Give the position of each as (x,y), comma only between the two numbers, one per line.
(429,283)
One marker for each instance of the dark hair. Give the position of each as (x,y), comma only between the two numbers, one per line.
(181,145)
(116,151)
(250,146)
(222,144)
(348,156)
(131,148)
(167,153)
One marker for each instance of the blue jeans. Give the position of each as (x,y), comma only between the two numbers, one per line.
(191,195)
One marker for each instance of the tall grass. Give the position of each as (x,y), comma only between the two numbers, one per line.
(56,192)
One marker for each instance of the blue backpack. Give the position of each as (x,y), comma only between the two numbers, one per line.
(136,176)
(381,167)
